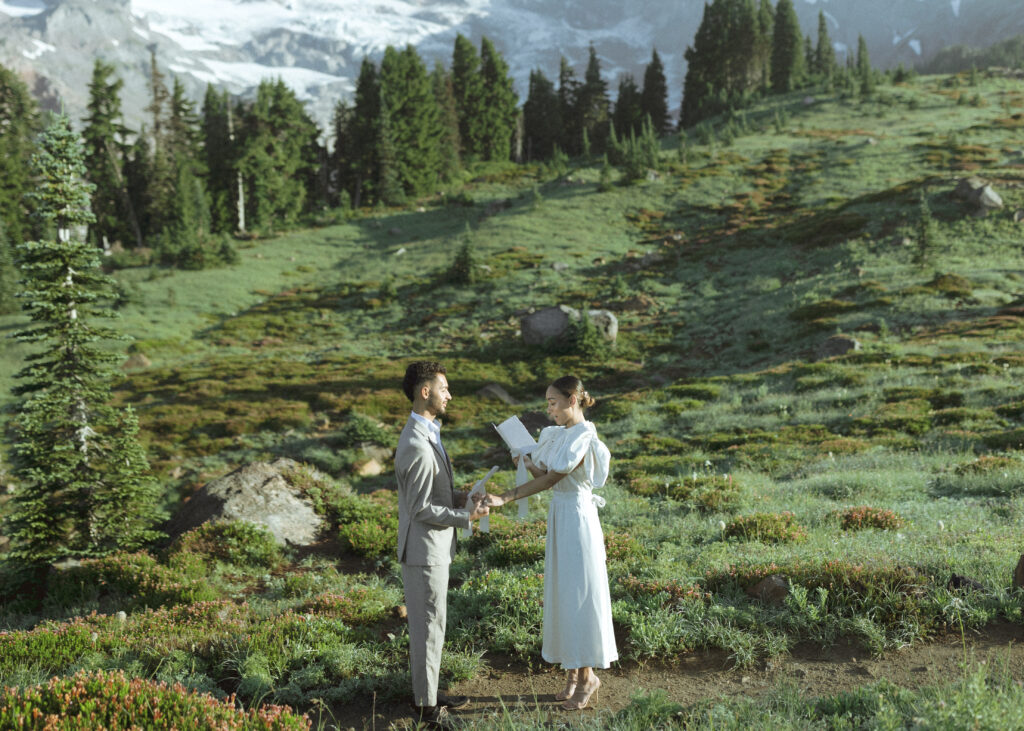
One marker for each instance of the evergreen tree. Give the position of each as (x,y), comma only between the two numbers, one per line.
(467,85)
(787,49)
(593,102)
(137,167)
(629,113)
(341,160)
(105,136)
(84,490)
(569,108)
(450,144)
(19,123)
(722,63)
(414,119)
(542,117)
(865,76)
(654,97)
(8,274)
(160,173)
(824,54)
(217,156)
(498,105)
(763,50)
(365,129)
(278,156)
(389,185)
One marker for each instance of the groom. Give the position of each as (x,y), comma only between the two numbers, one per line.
(429,511)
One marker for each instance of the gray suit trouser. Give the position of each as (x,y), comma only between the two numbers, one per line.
(426,601)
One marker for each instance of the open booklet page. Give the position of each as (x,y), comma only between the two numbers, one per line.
(515,435)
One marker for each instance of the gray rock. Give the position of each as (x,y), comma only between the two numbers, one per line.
(772,589)
(135,361)
(547,324)
(496,392)
(967,189)
(375,451)
(838,345)
(559,266)
(809,101)
(1018,215)
(989,199)
(258,493)
(369,468)
(606,322)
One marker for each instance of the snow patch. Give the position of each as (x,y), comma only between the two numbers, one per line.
(22,8)
(898,38)
(300,80)
(916,45)
(831,19)
(188,41)
(39,50)
(955,4)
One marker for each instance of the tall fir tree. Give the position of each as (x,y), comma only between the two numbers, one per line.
(865,76)
(765,34)
(569,91)
(824,53)
(654,96)
(467,85)
(19,124)
(593,103)
(340,175)
(188,222)
(414,119)
(787,49)
(390,190)
(278,156)
(722,64)
(542,118)
(498,104)
(161,176)
(105,138)
(364,134)
(84,489)
(8,274)
(628,115)
(450,144)
(218,158)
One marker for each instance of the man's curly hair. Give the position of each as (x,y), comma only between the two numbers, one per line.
(419,373)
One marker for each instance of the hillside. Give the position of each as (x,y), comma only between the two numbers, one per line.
(740,449)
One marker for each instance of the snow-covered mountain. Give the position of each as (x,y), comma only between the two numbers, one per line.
(316,46)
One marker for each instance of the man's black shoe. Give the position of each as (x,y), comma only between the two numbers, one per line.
(435,717)
(453,702)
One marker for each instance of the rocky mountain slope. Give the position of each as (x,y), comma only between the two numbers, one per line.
(316,46)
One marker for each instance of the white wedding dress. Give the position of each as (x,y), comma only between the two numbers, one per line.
(577,603)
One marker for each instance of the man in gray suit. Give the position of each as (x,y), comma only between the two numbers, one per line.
(429,512)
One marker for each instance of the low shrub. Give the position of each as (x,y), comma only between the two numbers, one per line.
(510,543)
(132,579)
(110,700)
(702,491)
(822,309)
(953,286)
(911,417)
(698,391)
(368,524)
(766,527)
(864,516)
(358,606)
(622,547)
(672,589)
(988,463)
(235,542)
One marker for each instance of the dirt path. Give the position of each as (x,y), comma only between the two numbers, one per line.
(698,676)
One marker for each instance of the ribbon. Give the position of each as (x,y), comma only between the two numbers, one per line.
(522,477)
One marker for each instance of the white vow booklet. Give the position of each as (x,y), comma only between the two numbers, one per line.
(519,442)
(515,435)
(479,487)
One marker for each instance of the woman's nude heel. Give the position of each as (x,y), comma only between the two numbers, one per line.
(570,686)
(581,698)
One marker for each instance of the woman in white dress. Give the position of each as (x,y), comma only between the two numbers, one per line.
(572,461)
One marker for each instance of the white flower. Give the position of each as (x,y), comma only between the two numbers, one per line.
(721,525)
(942,526)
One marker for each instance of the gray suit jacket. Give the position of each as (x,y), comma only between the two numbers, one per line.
(427,518)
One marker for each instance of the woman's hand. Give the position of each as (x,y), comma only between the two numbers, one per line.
(495,501)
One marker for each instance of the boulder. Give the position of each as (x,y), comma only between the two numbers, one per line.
(989,200)
(497,393)
(258,493)
(559,266)
(1018,574)
(837,345)
(546,324)
(136,360)
(809,101)
(1018,215)
(968,189)
(375,451)
(552,323)
(772,589)
(369,468)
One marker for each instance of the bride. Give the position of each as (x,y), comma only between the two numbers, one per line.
(572,461)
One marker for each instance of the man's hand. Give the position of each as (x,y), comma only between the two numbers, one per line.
(479,507)
(459,500)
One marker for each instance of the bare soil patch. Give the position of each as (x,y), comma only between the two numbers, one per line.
(816,671)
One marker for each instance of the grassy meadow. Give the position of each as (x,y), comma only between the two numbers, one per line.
(867,480)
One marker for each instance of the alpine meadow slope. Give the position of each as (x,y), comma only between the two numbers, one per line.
(883,486)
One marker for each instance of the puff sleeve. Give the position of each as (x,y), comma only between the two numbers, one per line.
(560,450)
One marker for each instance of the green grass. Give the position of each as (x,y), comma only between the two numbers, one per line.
(737,451)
